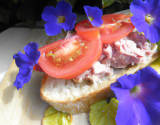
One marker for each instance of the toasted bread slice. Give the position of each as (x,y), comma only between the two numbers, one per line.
(68,96)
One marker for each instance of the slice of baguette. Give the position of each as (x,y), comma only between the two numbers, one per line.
(67,96)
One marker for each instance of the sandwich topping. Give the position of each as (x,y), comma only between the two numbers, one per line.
(130,50)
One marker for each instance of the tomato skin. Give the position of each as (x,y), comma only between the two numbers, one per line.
(108,19)
(37,68)
(86,31)
(77,66)
(117,32)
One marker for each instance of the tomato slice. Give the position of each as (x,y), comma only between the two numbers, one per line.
(85,30)
(70,57)
(115,27)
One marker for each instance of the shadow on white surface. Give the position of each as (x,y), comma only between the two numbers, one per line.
(2,75)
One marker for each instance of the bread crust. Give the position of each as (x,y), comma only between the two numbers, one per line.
(82,103)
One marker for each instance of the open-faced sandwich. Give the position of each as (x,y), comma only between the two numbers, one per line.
(79,87)
(80,68)
(125,56)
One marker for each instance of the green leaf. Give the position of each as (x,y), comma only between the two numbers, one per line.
(124,1)
(103,113)
(158,44)
(107,3)
(55,117)
(15,1)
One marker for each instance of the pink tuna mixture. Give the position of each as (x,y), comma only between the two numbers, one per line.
(127,51)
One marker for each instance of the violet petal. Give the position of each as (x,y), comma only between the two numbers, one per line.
(149,84)
(156,12)
(22,60)
(149,31)
(149,5)
(23,77)
(63,8)
(118,90)
(127,82)
(95,13)
(155,36)
(31,50)
(148,78)
(49,14)
(53,28)
(140,23)
(154,110)
(157,24)
(136,8)
(70,22)
(132,112)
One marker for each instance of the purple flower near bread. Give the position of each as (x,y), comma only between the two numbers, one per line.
(58,18)
(94,15)
(139,98)
(25,63)
(146,18)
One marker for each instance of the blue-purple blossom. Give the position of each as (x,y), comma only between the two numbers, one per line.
(25,63)
(58,18)
(146,18)
(94,15)
(139,98)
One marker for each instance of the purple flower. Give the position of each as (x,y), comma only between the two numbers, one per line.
(146,18)
(25,62)
(94,15)
(139,98)
(58,18)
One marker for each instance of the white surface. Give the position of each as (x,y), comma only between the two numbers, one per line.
(13,40)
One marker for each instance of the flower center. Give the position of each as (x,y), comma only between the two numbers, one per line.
(90,18)
(134,91)
(149,19)
(61,19)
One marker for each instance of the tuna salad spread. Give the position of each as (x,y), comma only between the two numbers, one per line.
(130,50)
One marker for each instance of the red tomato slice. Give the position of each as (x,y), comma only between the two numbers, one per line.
(59,60)
(115,27)
(85,30)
